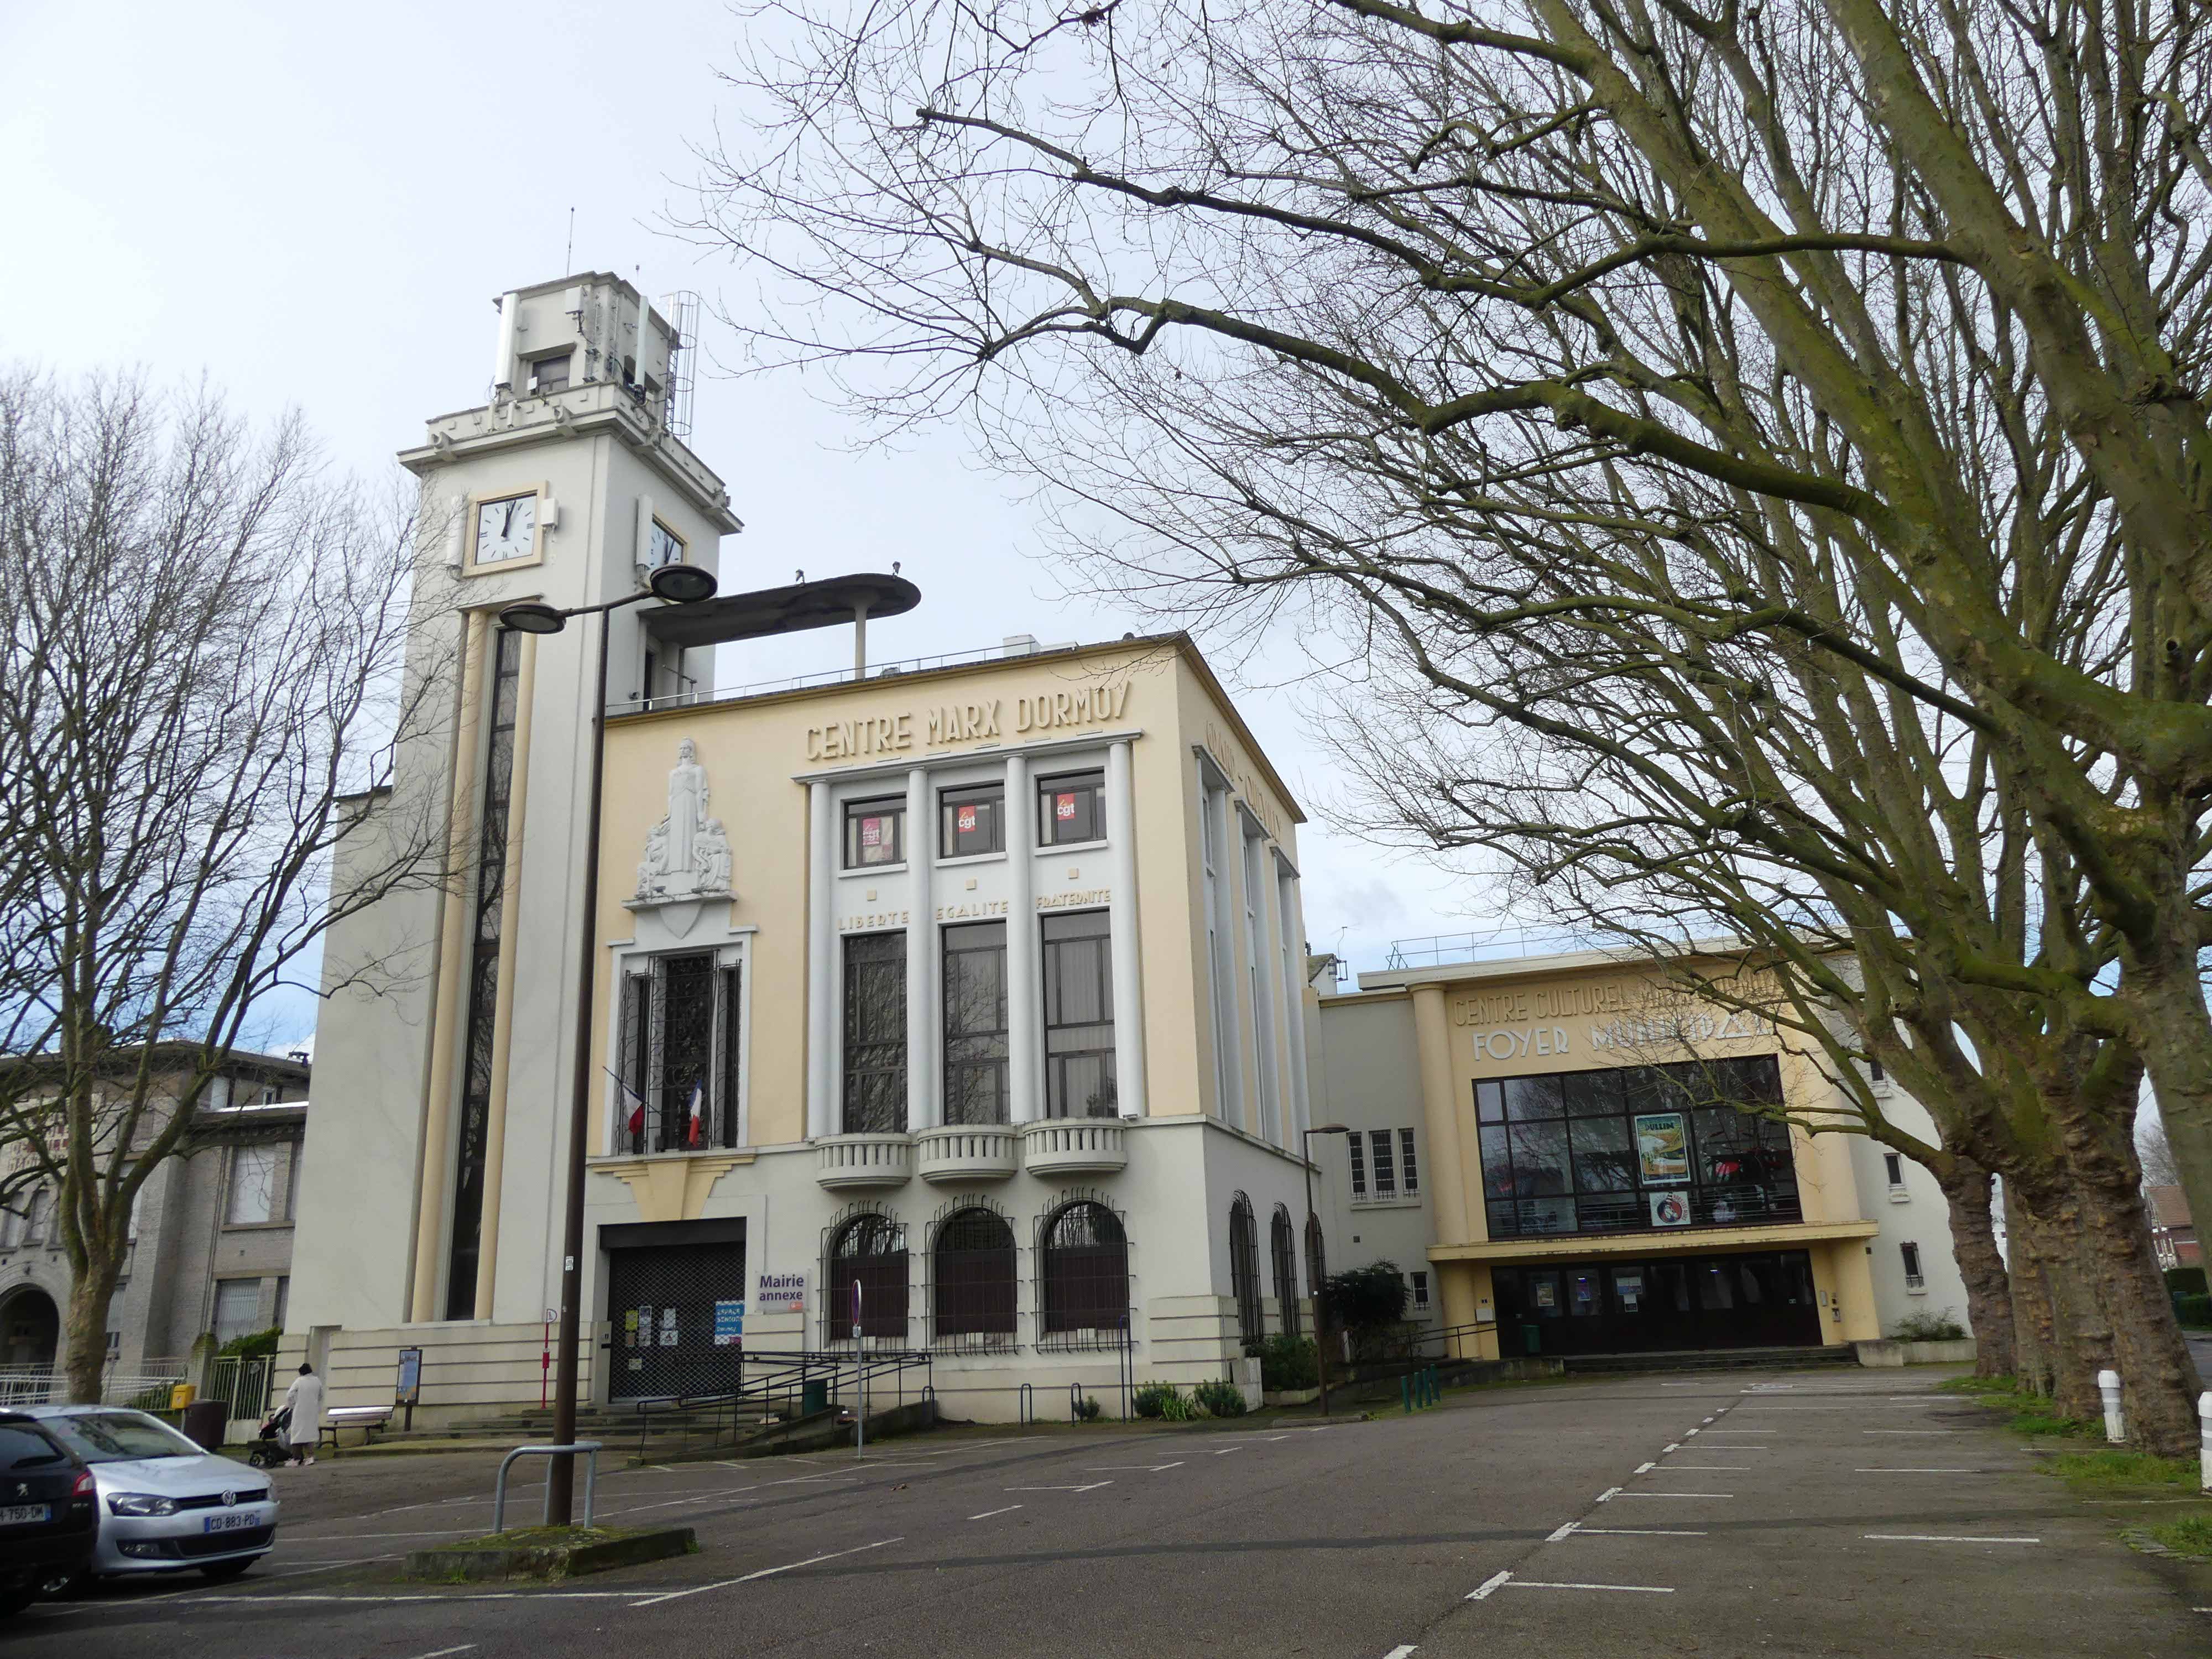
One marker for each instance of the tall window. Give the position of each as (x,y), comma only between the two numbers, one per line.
(869,1250)
(1409,1171)
(1359,1156)
(238,1308)
(1386,1166)
(680,1048)
(1244,1272)
(1913,1279)
(971,1272)
(1070,808)
(1283,1259)
(875,1034)
(976,1022)
(1085,1272)
(1639,1149)
(1421,1290)
(1079,1015)
(1257,956)
(1210,811)
(1383,1165)
(875,832)
(484,977)
(253,1187)
(971,820)
(1892,1164)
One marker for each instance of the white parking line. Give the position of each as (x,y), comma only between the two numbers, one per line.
(1944,1538)
(1678,1494)
(444,1653)
(1149,1468)
(1093,1486)
(1561,1533)
(1638,1532)
(765,1572)
(1645,1469)
(1608,1494)
(1672,1445)
(1638,1590)
(1489,1586)
(1732,1468)
(988,1514)
(1912,1431)
(1919,1470)
(1401,1651)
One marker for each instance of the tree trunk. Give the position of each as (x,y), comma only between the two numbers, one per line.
(1974,1248)
(2177,1052)
(85,1332)
(2157,1378)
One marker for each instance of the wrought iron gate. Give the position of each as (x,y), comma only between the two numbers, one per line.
(661,1310)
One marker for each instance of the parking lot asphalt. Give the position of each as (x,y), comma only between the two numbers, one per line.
(1815,1513)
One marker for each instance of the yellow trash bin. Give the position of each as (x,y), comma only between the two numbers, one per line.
(181,1395)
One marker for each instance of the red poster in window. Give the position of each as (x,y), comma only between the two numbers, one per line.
(871,832)
(1063,806)
(967,819)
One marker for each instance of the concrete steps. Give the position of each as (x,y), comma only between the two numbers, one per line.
(1709,1359)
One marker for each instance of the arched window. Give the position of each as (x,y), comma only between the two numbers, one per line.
(1282,1249)
(869,1250)
(1244,1272)
(972,1280)
(1084,1271)
(1317,1271)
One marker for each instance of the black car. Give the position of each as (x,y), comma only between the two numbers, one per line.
(49,1520)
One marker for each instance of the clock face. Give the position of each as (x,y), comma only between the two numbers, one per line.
(666,549)
(504,529)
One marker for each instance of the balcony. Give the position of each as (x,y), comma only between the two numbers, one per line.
(1075,1146)
(967,1152)
(845,1162)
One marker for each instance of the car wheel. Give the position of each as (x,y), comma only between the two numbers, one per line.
(220,1571)
(13,1601)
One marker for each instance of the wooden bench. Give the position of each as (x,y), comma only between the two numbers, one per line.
(368,1419)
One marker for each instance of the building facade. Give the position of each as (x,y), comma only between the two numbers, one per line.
(211,1234)
(1589,1185)
(965,1003)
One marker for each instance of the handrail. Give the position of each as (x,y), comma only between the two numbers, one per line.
(785,1379)
(590,1450)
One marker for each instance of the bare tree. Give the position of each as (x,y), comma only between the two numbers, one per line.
(1766,443)
(203,690)
(2159,1169)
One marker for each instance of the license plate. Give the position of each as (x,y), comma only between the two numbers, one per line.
(236,1521)
(26,1515)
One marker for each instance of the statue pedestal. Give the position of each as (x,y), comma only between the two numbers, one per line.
(679,912)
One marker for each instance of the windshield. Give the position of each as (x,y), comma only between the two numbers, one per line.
(115,1437)
(23,1449)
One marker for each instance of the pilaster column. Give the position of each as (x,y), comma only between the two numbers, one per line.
(1127,943)
(1024,983)
(821,963)
(1297,1115)
(1228,923)
(924,1102)
(503,1027)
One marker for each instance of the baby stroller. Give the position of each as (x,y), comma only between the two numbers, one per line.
(269,1450)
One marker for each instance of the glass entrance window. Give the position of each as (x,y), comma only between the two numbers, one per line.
(1637,1149)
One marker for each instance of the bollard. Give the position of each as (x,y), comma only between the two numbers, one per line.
(1405,1394)
(2108,1384)
(2204,1437)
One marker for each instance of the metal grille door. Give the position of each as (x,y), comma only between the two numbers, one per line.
(661,1306)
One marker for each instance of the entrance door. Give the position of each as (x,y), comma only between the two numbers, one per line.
(660,1307)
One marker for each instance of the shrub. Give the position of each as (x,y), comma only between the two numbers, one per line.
(2186,1281)
(254,1344)
(1087,1410)
(1152,1398)
(1288,1362)
(1220,1397)
(1174,1408)
(2191,1536)
(1927,1327)
(2193,1310)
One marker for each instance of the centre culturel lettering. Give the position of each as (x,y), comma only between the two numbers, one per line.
(1620,1014)
(967,722)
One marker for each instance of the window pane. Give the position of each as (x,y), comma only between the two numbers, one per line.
(875,1034)
(1359,1156)
(875,832)
(975,1041)
(1539,1159)
(971,820)
(1528,1097)
(1079,1015)
(1591,1094)
(1496,1163)
(1070,808)
(1489,1102)
(1605,1157)
(237,1308)
(1409,1172)
(680,1093)
(252,1186)
(1386,1167)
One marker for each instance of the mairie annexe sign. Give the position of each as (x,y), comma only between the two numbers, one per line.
(983,721)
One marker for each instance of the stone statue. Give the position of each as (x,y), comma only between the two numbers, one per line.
(688,852)
(714,858)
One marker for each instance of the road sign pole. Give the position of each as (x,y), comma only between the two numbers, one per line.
(859,1373)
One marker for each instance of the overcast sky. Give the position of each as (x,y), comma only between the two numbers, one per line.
(315,205)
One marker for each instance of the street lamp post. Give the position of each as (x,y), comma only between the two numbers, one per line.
(1320,1301)
(689,621)
(676,584)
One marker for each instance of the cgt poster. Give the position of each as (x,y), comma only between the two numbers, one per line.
(1662,1148)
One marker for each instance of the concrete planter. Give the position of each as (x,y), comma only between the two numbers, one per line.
(1885,1351)
(1290,1396)
(540,1553)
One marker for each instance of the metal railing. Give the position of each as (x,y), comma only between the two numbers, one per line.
(588,1450)
(145,1390)
(243,1384)
(981,653)
(777,1385)
(1437,950)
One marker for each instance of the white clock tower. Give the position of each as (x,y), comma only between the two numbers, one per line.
(568,485)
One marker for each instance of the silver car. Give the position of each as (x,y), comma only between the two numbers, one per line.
(165,1505)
